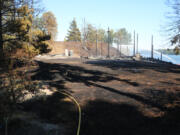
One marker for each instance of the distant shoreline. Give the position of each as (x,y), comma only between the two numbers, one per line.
(167,51)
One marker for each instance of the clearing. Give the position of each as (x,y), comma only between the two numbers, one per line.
(117,97)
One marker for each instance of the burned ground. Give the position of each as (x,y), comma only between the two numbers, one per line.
(116,97)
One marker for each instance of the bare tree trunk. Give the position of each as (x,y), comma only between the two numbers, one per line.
(101,48)
(117,54)
(1,32)
(14,10)
(152,48)
(108,44)
(96,44)
(120,51)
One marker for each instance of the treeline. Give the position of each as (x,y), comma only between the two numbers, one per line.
(21,28)
(169,51)
(91,34)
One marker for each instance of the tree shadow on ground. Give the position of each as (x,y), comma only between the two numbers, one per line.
(105,118)
(161,97)
(138,65)
(143,100)
(100,117)
(57,74)
(54,109)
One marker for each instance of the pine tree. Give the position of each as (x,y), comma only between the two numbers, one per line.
(91,33)
(17,31)
(122,36)
(6,11)
(15,23)
(74,33)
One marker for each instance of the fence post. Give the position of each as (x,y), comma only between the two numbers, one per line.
(152,48)
(134,44)
(108,44)
(137,51)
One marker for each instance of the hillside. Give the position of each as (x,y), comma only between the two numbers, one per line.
(79,50)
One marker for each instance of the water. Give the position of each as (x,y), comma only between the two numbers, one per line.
(175,59)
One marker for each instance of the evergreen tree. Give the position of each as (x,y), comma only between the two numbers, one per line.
(122,37)
(74,33)
(16,31)
(110,38)
(6,13)
(17,34)
(91,33)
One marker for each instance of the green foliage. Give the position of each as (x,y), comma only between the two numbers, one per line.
(39,41)
(30,50)
(121,36)
(91,34)
(101,35)
(16,31)
(170,51)
(177,50)
(43,47)
(20,40)
(19,29)
(74,33)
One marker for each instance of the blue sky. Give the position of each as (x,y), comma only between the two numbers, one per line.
(144,16)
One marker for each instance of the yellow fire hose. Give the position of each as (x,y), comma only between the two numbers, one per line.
(79,109)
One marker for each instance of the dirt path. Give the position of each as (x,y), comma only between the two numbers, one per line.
(117,97)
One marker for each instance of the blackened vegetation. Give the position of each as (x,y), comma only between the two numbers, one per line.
(105,117)
(65,72)
(139,65)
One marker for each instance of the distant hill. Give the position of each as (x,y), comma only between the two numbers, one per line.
(59,47)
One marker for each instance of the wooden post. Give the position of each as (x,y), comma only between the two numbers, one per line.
(120,51)
(127,51)
(152,48)
(1,33)
(117,53)
(137,51)
(108,44)
(96,44)
(134,51)
(101,48)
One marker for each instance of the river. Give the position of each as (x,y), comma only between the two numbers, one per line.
(175,59)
